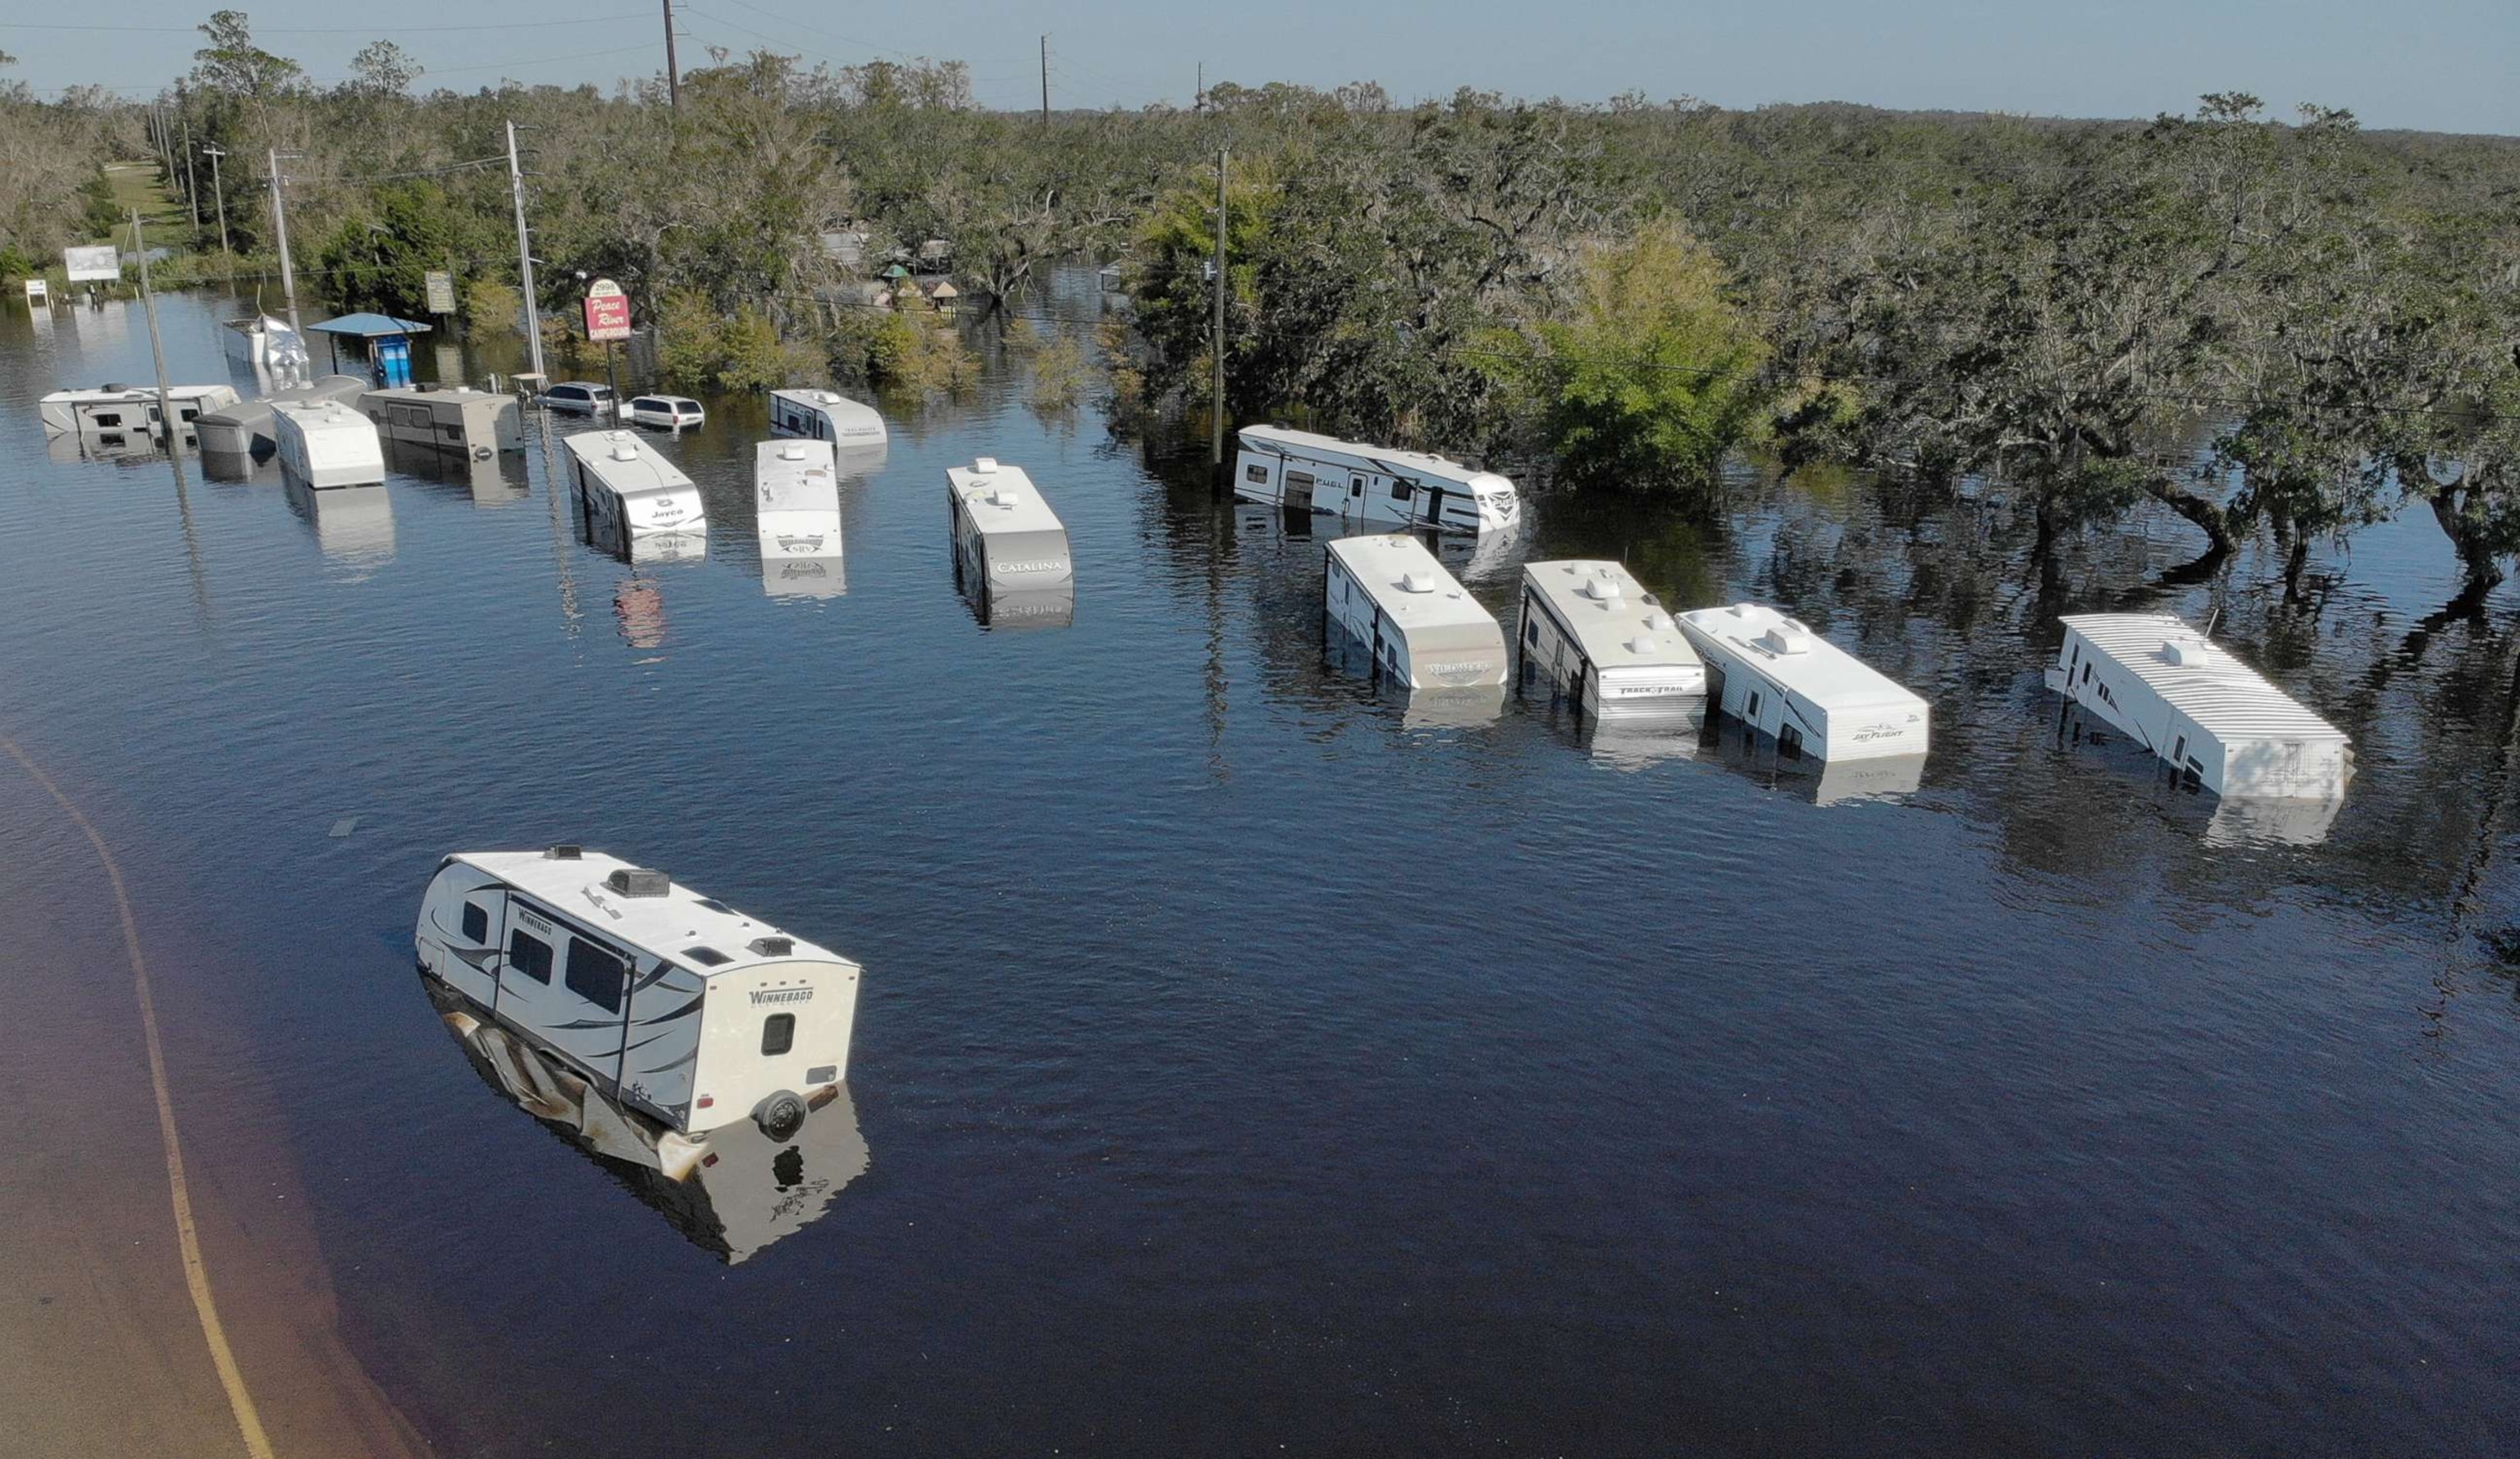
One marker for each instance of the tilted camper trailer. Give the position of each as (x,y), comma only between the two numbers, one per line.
(826,416)
(1780,678)
(669,1002)
(2192,704)
(1367,483)
(1601,642)
(463,421)
(325,444)
(1422,628)
(631,492)
(1009,548)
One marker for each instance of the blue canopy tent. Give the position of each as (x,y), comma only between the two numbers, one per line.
(388,342)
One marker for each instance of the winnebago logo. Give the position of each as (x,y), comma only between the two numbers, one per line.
(783,994)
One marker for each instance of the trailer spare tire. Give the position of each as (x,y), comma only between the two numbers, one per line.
(781,1115)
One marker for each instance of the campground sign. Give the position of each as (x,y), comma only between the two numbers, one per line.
(607,312)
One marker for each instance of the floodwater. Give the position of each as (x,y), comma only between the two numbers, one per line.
(1249,1060)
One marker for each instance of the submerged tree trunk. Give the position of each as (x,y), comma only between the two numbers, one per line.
(2208,515)
(2467,539)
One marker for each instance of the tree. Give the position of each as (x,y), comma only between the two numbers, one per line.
(234,65)
(384,69)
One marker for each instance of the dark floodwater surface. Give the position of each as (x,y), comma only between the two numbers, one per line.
(1246,1062)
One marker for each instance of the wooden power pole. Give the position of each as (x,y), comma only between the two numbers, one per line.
(1045,80)
(1216,337)
(673,71)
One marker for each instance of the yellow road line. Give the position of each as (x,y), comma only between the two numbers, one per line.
(196,1276)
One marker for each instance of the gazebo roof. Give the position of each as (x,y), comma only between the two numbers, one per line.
(370,326)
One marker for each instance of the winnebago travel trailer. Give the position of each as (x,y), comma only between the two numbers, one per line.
(732,1194)
(1010,548)
(2210,717)
(631,492)
(796,501)
(462,421)
(1813,697)
(671,1003)
(325,444)
(1422,628)
(1298,469)
(826,416)
(121,411)
(1603,643)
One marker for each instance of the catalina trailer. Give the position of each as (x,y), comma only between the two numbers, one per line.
(672,1003)
(1604,644)
(326,444)
(2188,702)
(1815,699)
(1009,548)
(1422,628)
(463,421)
(826,416)
(630,492)
(1364,483)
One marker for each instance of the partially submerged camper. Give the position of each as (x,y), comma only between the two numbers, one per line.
(630,492)
(1009,548)
(1602,642)
(673,1004)
(462,421)
(245,427)
(826,416)
(1815,699)
(2189,702)
(355,525)
(797,512)
(125,411)
(325,444)
(1422,628)
(1367,483)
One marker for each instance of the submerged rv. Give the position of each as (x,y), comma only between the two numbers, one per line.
(246,429)
(1422,628)
(2209,716)
(1009,548)
(124,412)
(1604,645)
(666,1002)
(325,444)
(1298,469)
(1813,697)
(463,421)
(796,501)
(630,493)
(826,416)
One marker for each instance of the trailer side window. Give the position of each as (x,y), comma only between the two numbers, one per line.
(1753,712)
(1255,472)
(1400,491)
(778,1033)
(529,955)
(476,923)
(594,975)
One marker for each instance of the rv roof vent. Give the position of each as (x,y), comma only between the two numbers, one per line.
(117,385)
(1006,496)
(565,852)
(775,947)
(1658,623)
(985,465)
(827,397)
(706,956)
(792,451)
(1788,637)
(1416,581)
(638,881)
(2190,652)
(625,450)
(1603,589)
(1641,643)
(1739,610)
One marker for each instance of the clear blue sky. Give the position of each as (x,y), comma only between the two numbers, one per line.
(2441,64)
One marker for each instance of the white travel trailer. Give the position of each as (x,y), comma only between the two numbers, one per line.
(245,427)
(327,444)
(463,421)
(630,492)
(1604,645)
(1815,699)
(2207,714)
(1365,483)
(796,500)
(826,416)
(122,411)
(1422,628)
(671,1003)
(1009,548)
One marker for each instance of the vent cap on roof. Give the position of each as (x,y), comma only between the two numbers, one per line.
(566,852)
(638,881)
(984,466)
(2188,651)
(1601,588)
(775,947)
(1416,581)
(1788,637)
(1657,623)
(827,397)
(792,451)
(1004,495)
(624,450)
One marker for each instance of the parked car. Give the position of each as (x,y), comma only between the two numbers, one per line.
(582,398)
(667,411)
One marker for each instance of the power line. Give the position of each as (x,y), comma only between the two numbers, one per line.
(342,30)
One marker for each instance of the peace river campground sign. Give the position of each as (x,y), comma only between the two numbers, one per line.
(607,312)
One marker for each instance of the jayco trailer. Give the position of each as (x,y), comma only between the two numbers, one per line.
(673,1004)
(1815,699)
(2192,704)
(1422,628)
(1366,483)
(120,410)
(327,444)
(630,492)
(464,420)
(1604,645)
(825,415)
(1009,548)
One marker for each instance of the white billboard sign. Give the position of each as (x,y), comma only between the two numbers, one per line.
(102,261)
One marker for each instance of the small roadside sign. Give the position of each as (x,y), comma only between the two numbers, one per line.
(100,261)
(607,312)
(439,286)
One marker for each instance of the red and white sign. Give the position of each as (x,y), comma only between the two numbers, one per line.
(607,312)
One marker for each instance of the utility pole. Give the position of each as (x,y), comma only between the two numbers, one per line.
(219,190)
(279,221)
(192,183)
(525,257)
(1045,80)
(156,350)
(673,71)
(1198,98)
(1216,339)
